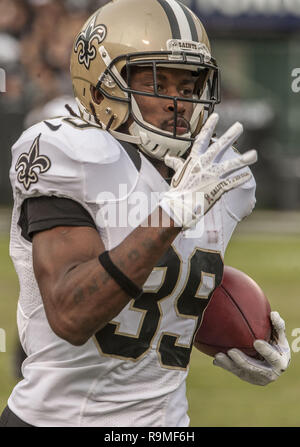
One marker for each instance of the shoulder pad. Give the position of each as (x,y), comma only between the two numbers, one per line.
(79,139)
(68,157)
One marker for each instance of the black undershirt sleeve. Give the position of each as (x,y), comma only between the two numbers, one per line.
(43,213)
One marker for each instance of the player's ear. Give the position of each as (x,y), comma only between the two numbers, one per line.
(96,95)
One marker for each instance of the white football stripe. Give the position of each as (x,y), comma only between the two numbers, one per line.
(183,23)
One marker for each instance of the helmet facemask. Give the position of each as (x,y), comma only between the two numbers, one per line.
(153,140)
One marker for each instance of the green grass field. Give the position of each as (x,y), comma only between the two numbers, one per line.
(8,304)
(216,398)
(219,399)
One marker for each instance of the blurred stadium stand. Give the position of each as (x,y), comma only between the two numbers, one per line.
(256,44)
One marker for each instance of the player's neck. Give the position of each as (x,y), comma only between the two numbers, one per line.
(159,165)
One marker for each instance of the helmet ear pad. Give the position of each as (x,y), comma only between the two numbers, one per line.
(96,95)
(100,112)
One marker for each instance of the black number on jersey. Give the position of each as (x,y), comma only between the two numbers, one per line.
(190,303)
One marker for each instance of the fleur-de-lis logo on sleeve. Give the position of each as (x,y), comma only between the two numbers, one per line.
(27,165)
(84,43)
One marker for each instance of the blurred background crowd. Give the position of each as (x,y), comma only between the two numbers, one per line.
(257,51)
(36,37)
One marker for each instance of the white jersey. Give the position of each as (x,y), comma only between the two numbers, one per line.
(133,371)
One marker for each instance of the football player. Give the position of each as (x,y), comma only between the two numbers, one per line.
(120,224)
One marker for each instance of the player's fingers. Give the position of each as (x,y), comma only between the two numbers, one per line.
(271,355)
(229,166)
(277,322)
(203,139)
(241,360)
(174,163)
(282,343)
(224,142)
(223,361)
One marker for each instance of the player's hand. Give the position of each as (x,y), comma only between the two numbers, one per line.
(198,182)
(276,355)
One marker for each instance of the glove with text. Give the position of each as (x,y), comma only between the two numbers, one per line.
(198,182)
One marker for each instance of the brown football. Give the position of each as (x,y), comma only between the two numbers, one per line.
(237,314)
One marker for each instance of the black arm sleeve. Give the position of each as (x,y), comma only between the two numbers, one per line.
(44,213)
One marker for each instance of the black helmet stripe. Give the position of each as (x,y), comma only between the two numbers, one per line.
(180,20)
(172,19)
(190,19)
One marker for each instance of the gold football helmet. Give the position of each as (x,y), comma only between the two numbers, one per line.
(125,34)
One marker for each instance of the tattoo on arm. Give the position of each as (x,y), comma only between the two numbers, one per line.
(133,255)
(78,296)
(105,277)
(149,244)
(93,287)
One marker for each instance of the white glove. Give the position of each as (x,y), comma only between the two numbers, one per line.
(198,182)
(276,356)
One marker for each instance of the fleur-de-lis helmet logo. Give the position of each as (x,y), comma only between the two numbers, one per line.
(84,43)
(28,163)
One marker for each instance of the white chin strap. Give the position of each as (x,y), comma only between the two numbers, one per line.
(157,145)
